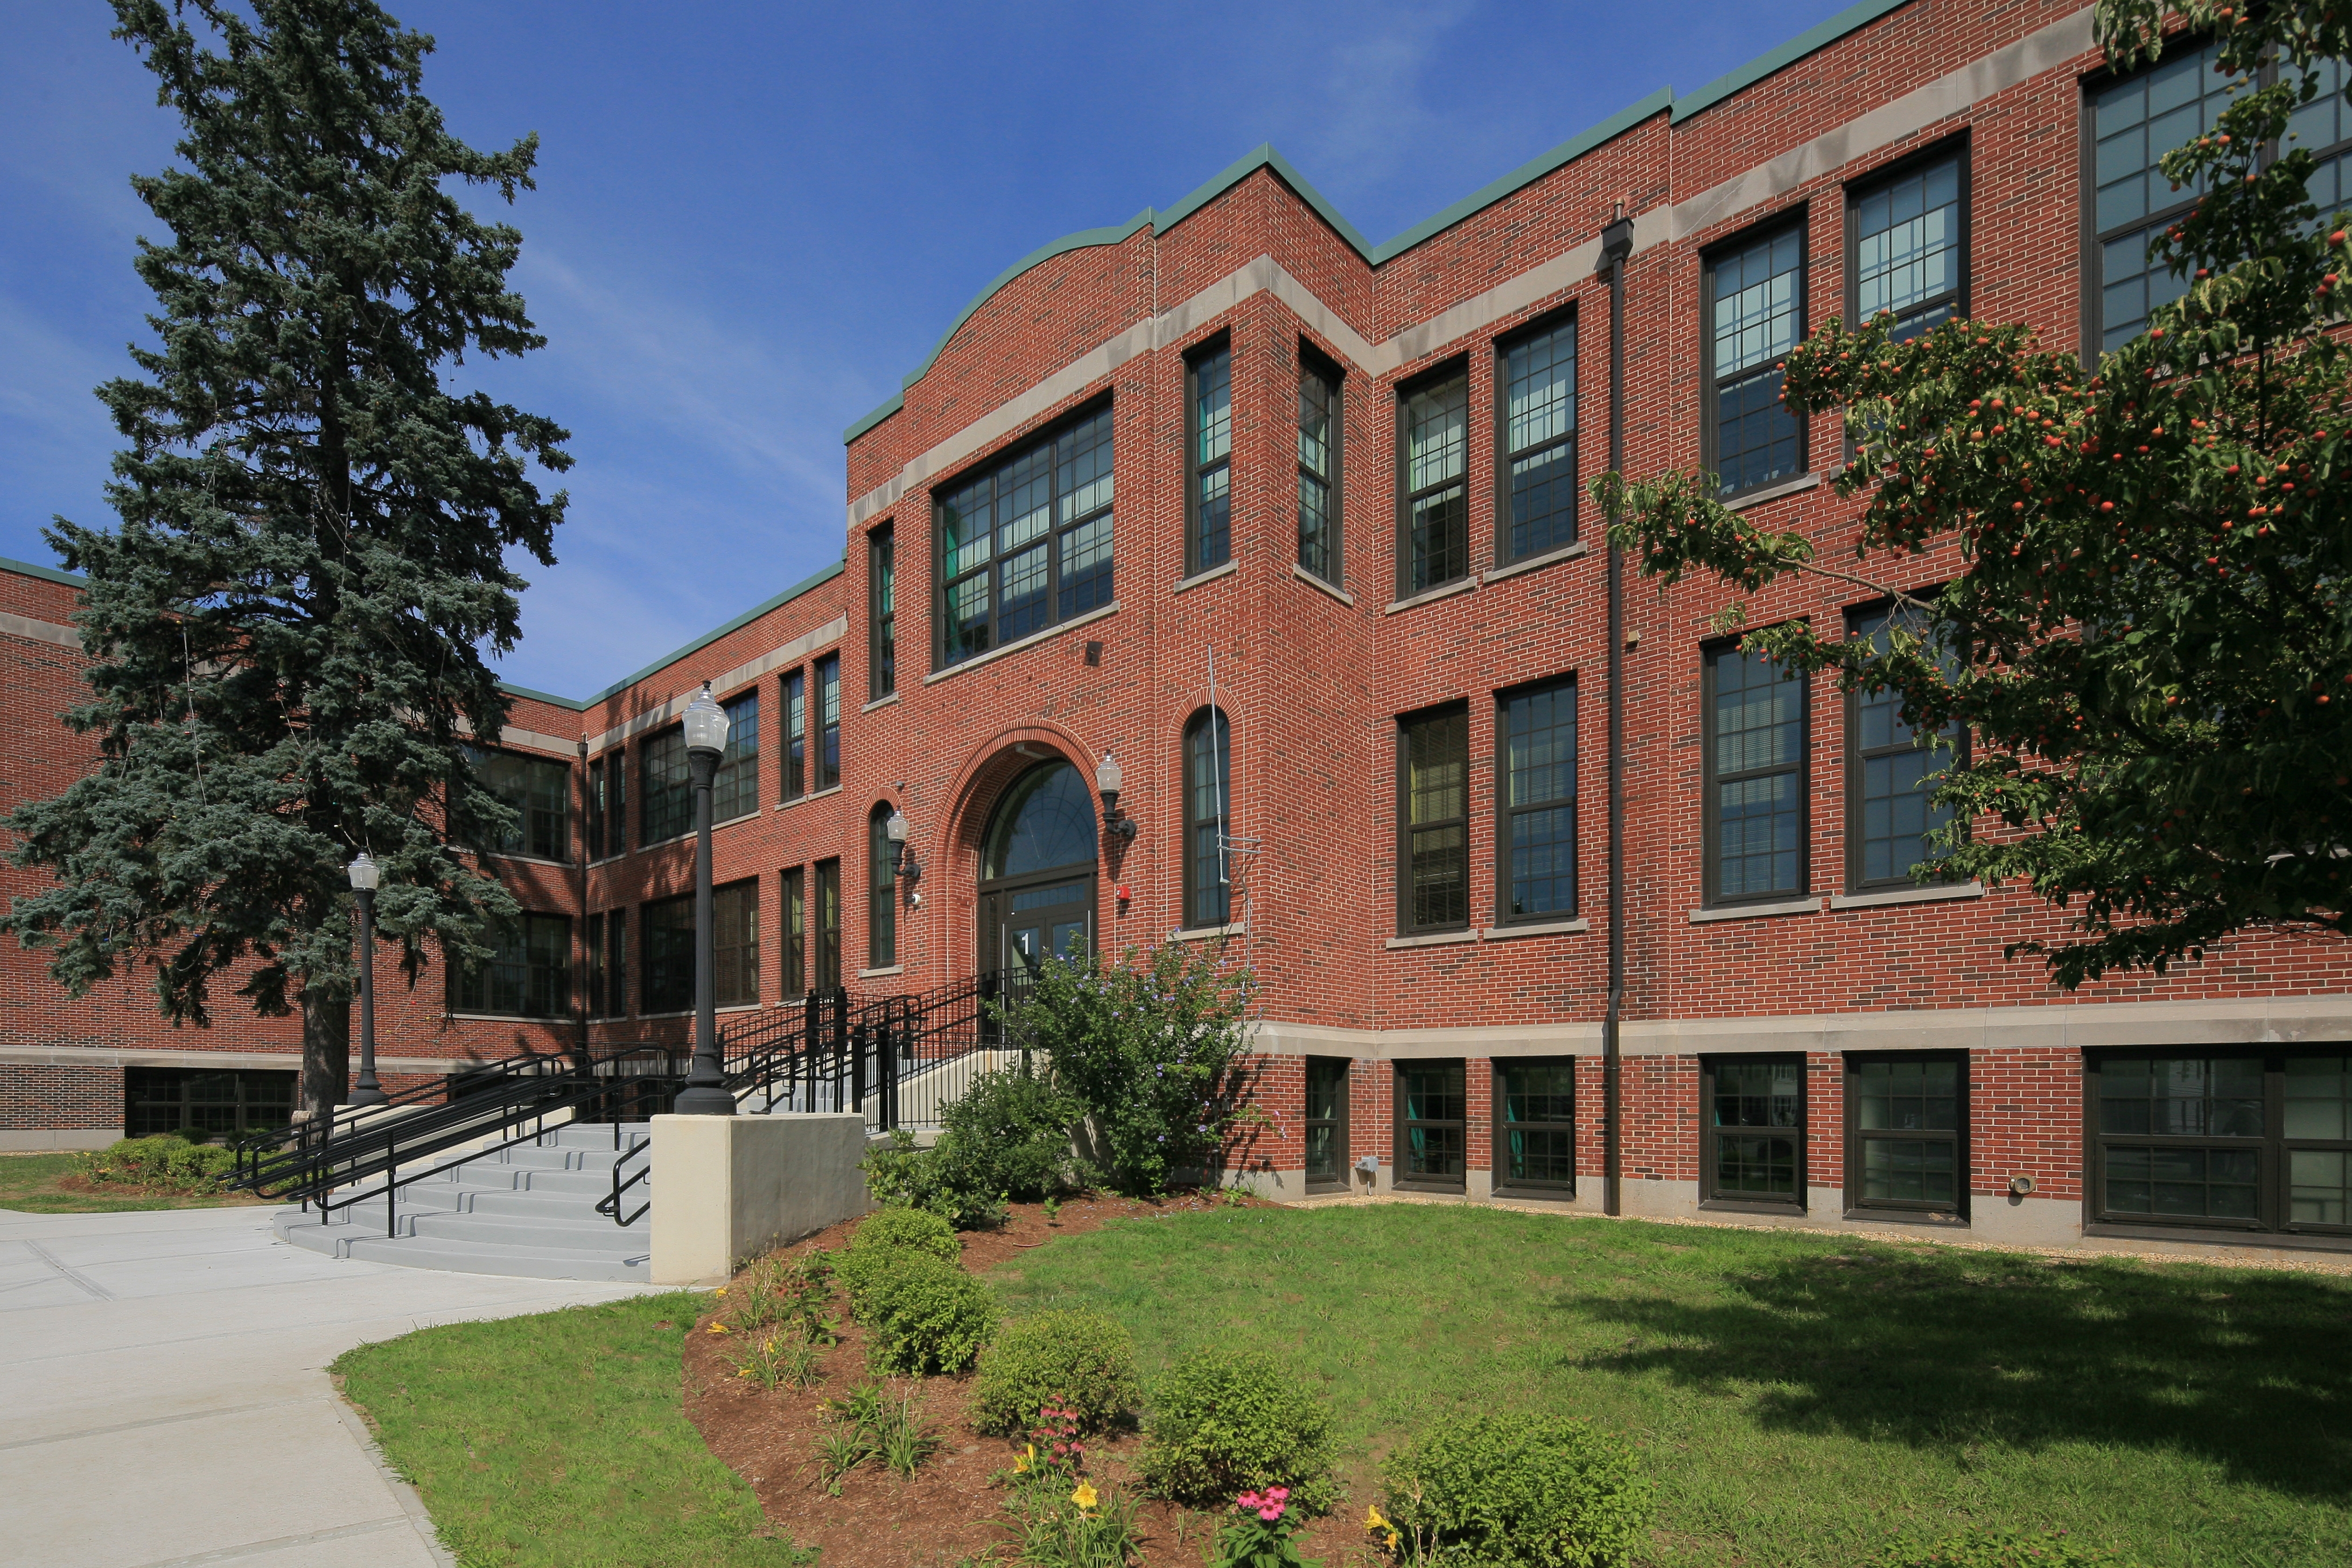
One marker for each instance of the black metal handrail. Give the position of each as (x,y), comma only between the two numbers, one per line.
(611,1206)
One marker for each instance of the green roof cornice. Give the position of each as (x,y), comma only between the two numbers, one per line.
(45,573)
(1812,39)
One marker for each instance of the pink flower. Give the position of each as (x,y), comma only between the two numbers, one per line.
(1249,1499)
(1279,1494)
(1272,1511)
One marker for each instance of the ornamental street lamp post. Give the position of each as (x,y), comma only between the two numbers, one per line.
(706,1088)
(365,874)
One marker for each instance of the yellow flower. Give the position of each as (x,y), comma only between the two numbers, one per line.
(722,1289)
(1393,1539)
(717,1328)
(1372,1520)
(1021,1466)
(1085,1495)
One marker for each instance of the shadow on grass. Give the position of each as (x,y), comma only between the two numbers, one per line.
(2250,1371)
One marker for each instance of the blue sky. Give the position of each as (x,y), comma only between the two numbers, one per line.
(753,220)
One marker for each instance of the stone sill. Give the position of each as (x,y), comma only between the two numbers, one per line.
(1460,585)
(1773,493)
(1543,928)
(1435,939)
(1096,614)
(1207,933)
(529,859)
(1907,896)
(878,974)
(1809,906)
(879,702)
(1312,581)
(1230,566)
(1537,562)
(805,799)
(687,836)
(553,1020)
(688,1013)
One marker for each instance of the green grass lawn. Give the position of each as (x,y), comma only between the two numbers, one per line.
(29,1183)
(1799,1399)
(559,1440)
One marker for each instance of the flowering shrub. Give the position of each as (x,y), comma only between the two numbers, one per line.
(1266,1534)
(1082,1362)
(1225,1422)
(1150,1045)
(1514,1491)
(1058,1517)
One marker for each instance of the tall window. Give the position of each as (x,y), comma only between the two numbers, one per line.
(1535,1123)
(527,975)
(1323,1127)
(1209,379)
(2133,123)
(1908,234)
(2253,1142)
(796,932)
(616,964)
(735,788)
(1755,305)
(1431,1131)
(1027,544)
(1755,778)
(1891,774)
(881,892)
(795,735)
(1433,530)
(1319,465)
(828,721)
(598,808)
(1434,809)
(592,932)
(539,790)
(2323,127)
(1754,1129)
(735,944)
(616,802)
(1536,384)
(882,613)
(666,792)
(1535,832)
(828,925)
(1906,1121)
(1208,801)
(668,958)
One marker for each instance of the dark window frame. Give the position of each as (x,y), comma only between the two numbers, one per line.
(1564,317)
(2272,1148)
(663,991)
(1403,1125)
(1198,538)
(1454,369)
(1198,896)
(1498,1163)
(1309,1123)
(598,807)
(1859,617)
(881,891)
(1856,1136)
(826,970)
(617,962)
(944,654)
(260,1099)
(1313,361)
(825,724)
(527,840)
(1866,184)
(735,786)
(655,750)
(1406,828)
(1761,1203)
(1506,814)
(592,952)
(1710,861)
(794,911)
(1711,384)
(741,939)
(882,613)
(791,718)
(467,985)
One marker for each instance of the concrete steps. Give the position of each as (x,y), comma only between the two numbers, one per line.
(528,1211)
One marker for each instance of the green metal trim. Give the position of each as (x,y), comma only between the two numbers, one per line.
(1263,156)
(47,574)
(1811,40)
(550,698)
(738,624)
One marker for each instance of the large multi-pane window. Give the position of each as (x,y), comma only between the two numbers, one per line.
(1027,544)
(2323,127)
(1534,828)
(1319,465)
(796,931)
(796,716)
(1754,312)
(882,613)
(165,1099)
(527,975)
(1208,795)
(606,946)
(828,925)
(1209,447)
(1323,1128)
(592,950)
(1908,233)
(1892,772)
(1536,385)
(1754,713)
(1535,1123)
(1906,1132)
(881,892)
(665,789)
(2243,1140)
(828,721)
(1433,501)
(667,926)
(2133,123)
(734,949)
(1752,1127)
(1432,1128)
(1433,822)
(735,788)
(539,790)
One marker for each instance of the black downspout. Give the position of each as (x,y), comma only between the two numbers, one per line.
(1616,246)
(587,960)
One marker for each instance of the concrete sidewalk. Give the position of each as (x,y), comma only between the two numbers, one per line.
(163,1380)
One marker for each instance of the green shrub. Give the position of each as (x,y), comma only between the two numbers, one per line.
(1083,1361)
(2001,1548)
(1225,1422)
(1010,1135)
(904,1176)
(925,1315)
(1517,1491)
(167,1163)
(908,1230)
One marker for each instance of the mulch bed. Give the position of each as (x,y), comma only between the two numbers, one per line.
(950,1511)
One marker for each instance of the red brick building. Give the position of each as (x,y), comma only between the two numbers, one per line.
(1235,444)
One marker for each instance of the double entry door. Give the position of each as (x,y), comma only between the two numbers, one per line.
(1046,916)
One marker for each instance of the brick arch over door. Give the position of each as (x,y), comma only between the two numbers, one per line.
(980,785)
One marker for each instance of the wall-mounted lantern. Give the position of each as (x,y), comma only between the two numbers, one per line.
(1108,777)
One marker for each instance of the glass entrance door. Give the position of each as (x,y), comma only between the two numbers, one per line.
(1035,923)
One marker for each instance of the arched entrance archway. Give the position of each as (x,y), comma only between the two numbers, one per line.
(1037,870)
